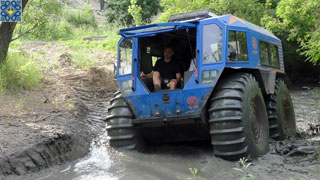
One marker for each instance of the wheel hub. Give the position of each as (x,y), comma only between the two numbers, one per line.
(255,122)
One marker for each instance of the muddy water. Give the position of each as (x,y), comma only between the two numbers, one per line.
(168,162)
(163,162)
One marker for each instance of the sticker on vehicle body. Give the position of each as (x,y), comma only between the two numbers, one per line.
(193,102)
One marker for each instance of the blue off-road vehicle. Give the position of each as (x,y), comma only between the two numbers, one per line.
(236,96)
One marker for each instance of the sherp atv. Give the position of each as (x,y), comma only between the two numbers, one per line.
(236,97)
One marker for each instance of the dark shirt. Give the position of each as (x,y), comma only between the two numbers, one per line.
(167,70)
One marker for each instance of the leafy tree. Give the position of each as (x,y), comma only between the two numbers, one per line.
(298,21)
(311,48)
(249,10)
(179,6)
(6,32)
(37,17)
(136,12)
(117,11)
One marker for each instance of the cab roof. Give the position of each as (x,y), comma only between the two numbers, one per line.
(233,21)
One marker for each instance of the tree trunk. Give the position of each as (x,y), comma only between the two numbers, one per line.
(6,32)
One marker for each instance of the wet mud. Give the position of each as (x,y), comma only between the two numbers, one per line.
(294,158)
(54,135)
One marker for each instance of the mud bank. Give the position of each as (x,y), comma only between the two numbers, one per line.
(47,132)
(52,151)
(51,140)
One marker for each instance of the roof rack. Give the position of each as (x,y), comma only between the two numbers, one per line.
(194,15)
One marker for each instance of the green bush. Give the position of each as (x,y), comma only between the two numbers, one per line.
(81,17)
(81,59)
(57,30)
(117,11)
(51,30)
(38,18)
(2,83)
(109,44)
(52,20)
(19,72)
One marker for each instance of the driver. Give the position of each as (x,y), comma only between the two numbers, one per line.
(166,73)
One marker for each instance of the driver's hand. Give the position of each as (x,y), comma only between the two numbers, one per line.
(173,82)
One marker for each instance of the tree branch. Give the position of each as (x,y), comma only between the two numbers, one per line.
(26,32)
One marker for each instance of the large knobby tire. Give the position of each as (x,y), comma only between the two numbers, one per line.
(281,116)
(238,118)
(121,132)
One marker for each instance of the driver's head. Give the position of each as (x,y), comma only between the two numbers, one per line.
(168,53)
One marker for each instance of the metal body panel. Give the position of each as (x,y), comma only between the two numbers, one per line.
(193,97)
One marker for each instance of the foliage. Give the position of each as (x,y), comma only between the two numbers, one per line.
(52,20)
(53,30)
(117,11)
(244,169)
(109,44)
(179,6)
(299,20)
(247,9)
(37,17)
(311,47)
(194,172)
(136,12)
(19,72)
(81,17)
(295,22)
(80,59)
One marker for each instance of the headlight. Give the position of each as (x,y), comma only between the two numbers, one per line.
(208,77)
(126,87)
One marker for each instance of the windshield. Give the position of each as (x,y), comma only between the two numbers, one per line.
(125,65)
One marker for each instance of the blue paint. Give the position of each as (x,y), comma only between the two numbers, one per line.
(148,105)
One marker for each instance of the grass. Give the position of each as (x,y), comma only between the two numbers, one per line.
(70,26)
(244,169)
(194,172)
(53,29)
(109,44)
(81,60)
(19,72)
(81,17)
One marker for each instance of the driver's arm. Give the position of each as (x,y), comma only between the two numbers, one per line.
(178,77)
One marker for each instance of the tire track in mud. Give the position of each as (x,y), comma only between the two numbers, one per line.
(90,100)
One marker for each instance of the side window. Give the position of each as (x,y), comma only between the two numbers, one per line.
(264,59)
(237,46)
(125,65)
(268,54)
(274,56)
(212,44)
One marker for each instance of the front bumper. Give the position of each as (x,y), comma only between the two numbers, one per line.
(165,121)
